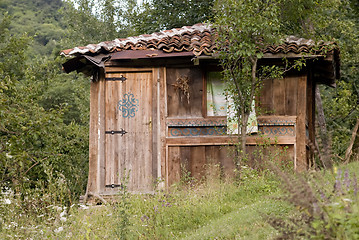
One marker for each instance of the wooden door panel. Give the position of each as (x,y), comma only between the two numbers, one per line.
(128,109)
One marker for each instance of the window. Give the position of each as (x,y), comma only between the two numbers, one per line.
(216,98)
(218,104)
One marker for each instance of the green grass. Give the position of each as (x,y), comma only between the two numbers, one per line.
(212,210)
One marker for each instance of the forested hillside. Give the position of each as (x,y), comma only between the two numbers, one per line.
(39,19)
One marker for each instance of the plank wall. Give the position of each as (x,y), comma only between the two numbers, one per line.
(286,113)
(279,97)
(199,162)
(292,96)
(177,103)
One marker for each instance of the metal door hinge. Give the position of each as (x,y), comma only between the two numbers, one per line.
(113,185)
(112,132)
(122,79)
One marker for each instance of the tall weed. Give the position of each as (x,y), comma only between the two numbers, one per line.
(327,206)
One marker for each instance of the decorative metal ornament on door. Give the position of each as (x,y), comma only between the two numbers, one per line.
(128,105)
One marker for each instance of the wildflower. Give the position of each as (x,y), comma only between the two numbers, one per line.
(347,179)
(83,207)
(63,213)
(355,184)
(58,208)
(144,218)
(337,185)
(60,229)
(63,219)
(7,201)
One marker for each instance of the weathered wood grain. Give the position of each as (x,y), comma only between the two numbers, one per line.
(290,95)
(279,96)
(300,149)
(177,101)
(131,154)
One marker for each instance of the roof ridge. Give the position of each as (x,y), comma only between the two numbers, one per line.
(199,39)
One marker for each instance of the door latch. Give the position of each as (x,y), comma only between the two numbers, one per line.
(112,132)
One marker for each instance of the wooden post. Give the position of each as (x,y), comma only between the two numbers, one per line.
(300,148)
(96,140)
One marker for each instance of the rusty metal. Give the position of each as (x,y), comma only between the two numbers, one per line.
(112,132)
(122,79)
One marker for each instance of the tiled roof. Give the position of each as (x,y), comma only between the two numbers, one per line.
(199,39)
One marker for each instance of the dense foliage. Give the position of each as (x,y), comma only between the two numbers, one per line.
(43,121)
(328,20)
(156,15)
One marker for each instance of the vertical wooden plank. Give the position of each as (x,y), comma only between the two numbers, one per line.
(101,121)
(92,185)
(150,170)
(266,98)
(279,96)
(196,93)
(174,168)
(213,168)
(110,140)
(164,127)
(290,96)
(155,121)
(173,98)
(197,162)
(185,161)
(227,160)
(130,137)
(204,91)
(301,163)
(161,125)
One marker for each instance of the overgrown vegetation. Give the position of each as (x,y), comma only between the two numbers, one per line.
(322,205)
(44,140)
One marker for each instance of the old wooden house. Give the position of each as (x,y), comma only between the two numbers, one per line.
(156,106)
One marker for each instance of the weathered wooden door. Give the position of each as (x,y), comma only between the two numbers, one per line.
(128,130)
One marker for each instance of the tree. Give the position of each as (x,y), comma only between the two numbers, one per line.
(156,15)
(37,149)
(90,21)
(241,32)
(244,27)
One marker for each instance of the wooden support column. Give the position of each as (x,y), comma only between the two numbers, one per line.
(96,143)
(300,146)
(159,154)
(162,101)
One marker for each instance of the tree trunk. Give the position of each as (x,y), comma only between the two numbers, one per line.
(325,153)
(349,151)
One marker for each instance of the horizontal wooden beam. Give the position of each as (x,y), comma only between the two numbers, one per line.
(226,140)
(255,140)
(127,69)
(200,122)
(200,141)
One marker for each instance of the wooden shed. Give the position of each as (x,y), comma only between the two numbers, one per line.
(153,107)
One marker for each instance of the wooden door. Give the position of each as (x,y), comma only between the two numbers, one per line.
(128,131)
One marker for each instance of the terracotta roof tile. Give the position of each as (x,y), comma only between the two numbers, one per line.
(199,39)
